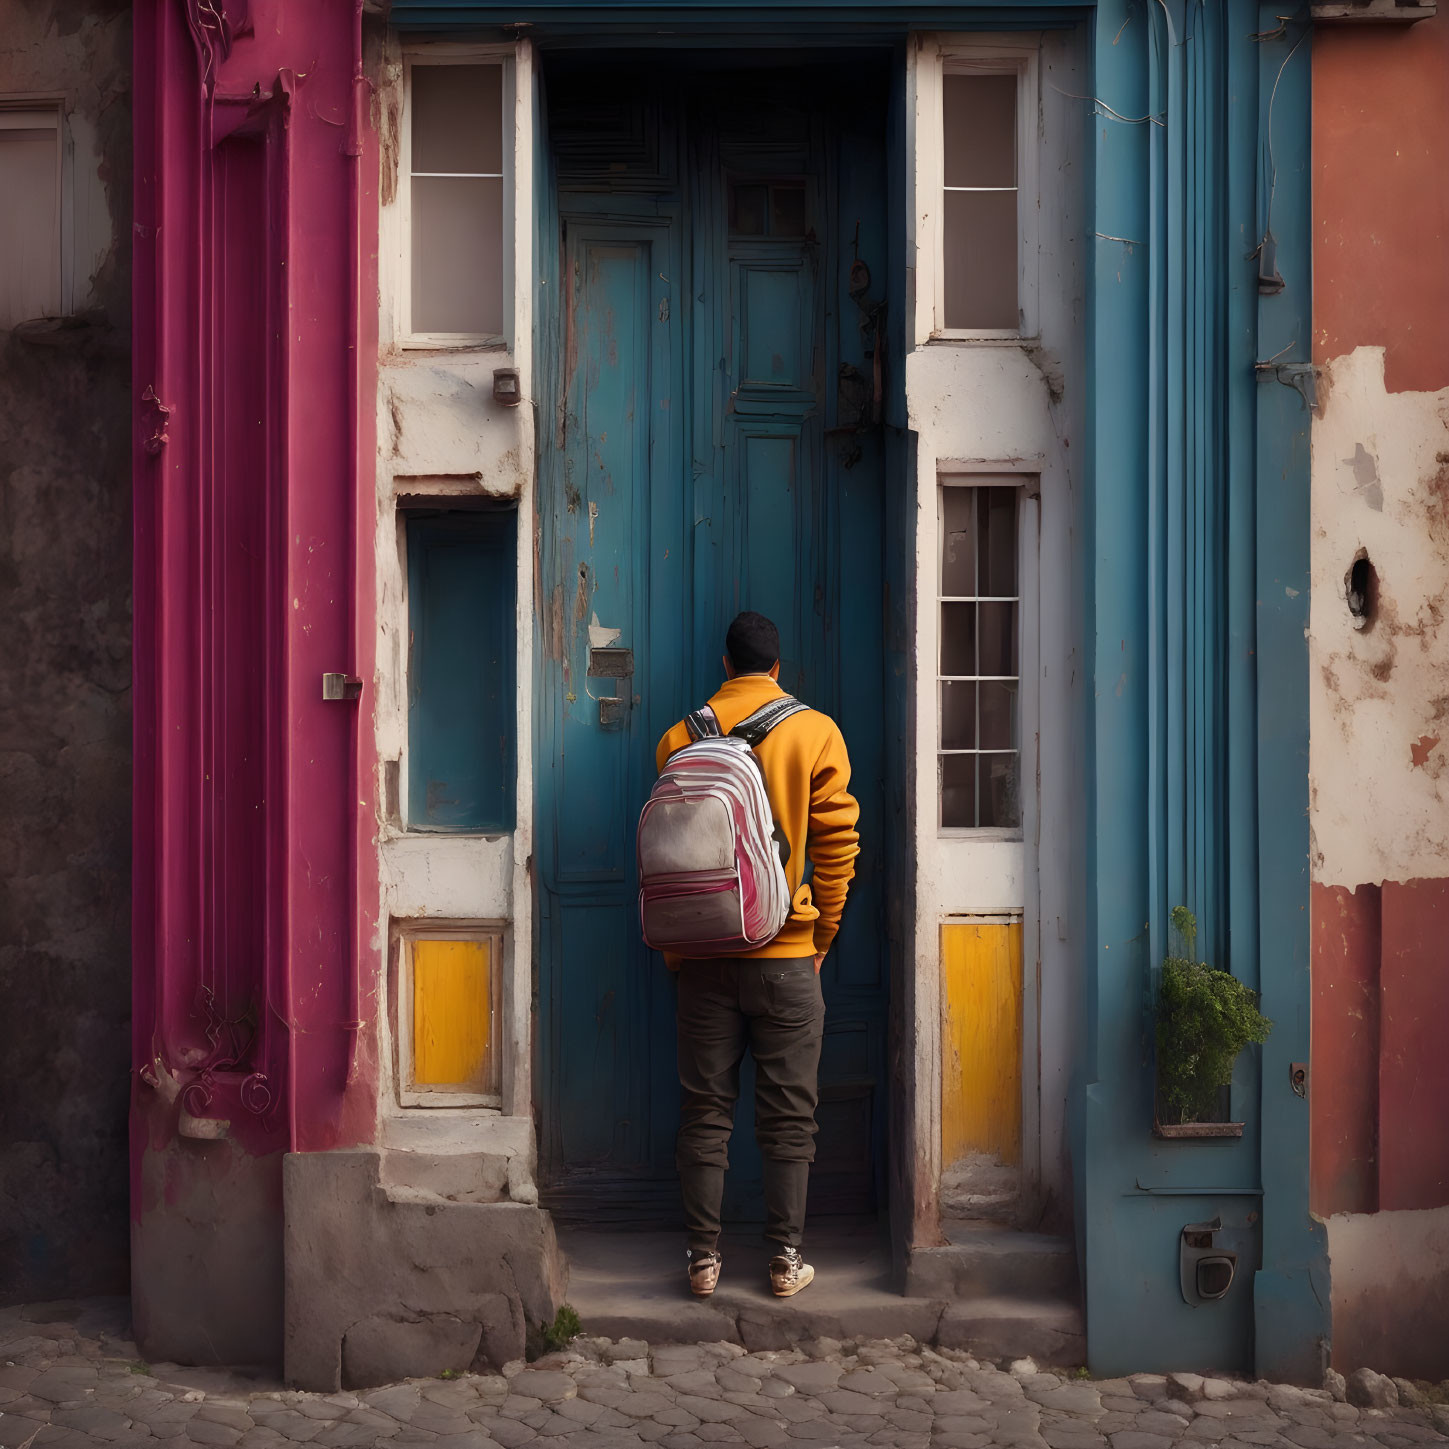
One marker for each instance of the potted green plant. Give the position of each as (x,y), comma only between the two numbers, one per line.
(1205,1017)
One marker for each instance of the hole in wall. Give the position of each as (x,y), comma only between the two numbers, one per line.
(1361,590)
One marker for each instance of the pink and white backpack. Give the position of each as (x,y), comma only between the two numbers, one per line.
(711,881)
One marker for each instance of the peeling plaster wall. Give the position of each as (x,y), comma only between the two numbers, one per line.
(442,437)
(65,675)
(1006,407)
(1379,713)
(1379,704)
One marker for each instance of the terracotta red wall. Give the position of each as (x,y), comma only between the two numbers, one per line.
(1380,1084)
(1381,197)
(1380,1062)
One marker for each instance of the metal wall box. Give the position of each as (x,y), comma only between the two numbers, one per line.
(611,663)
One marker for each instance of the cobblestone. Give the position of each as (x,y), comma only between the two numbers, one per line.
(63,1390)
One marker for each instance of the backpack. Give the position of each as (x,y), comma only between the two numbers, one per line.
(711,880)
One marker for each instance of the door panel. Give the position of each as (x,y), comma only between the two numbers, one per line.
(784,496)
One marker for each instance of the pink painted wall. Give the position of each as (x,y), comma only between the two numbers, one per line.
(255,318)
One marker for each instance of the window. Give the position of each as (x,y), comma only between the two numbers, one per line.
(986,272)
(456,175)
(980,202)
(763,208)
(978,669)
(462,635)
(30,216)
(448,1014)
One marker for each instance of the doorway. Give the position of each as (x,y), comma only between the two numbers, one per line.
(712,375)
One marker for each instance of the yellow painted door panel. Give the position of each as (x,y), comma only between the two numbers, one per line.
(981,1040)
(452,1013)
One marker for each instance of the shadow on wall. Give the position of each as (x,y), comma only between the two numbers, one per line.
(65,701)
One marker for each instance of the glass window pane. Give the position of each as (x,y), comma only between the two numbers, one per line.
(748,205)
(457,118)
(958,790)
(998,791)
(996,511)
(958,638)
(998,714)
(981,260)
(980,130)
(29,224)
(457,255)
(996,626)
(958,715)
(787,211)
(958,552)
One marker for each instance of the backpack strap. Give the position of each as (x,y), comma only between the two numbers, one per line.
(702,724)
(754,728)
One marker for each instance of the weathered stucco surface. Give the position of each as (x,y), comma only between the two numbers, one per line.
(1379,711)
(65,674)
(1379,705)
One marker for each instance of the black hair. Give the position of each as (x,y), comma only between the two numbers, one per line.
(752,643)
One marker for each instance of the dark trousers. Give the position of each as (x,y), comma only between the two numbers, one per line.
(774,1007)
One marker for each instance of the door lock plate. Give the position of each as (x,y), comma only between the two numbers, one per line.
(611,711)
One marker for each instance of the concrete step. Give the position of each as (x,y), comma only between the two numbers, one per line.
(984,1259)
(633,1285)
(1048,1330)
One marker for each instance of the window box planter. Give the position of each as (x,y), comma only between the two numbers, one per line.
(1204,1019)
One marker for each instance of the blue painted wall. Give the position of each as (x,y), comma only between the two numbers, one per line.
(1197,593)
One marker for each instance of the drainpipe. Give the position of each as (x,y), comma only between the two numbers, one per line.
(353,150)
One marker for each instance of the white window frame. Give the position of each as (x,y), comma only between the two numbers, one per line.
(38,112)
(407,932)
(455,54)
(1018,55)
(1027,473)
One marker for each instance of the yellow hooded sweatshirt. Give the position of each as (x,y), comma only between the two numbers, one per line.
(807,777)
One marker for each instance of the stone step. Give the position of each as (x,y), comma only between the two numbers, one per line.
(982,1259)
(1049,1330)
(632,1285)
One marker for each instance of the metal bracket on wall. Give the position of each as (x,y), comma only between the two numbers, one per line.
(341,686)
(1302,377)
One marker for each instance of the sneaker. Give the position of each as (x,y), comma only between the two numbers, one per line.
(789,1272)
(703,1272)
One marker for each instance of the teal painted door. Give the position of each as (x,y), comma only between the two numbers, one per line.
(709,448)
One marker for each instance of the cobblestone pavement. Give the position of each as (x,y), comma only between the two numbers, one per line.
(69,1376)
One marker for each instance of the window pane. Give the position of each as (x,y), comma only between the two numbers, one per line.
(787,211)
(29,224)
(958,790)
(457,118)
(999,795)
(996,626)
(996,510)
(980,130)
(981,263)
(958,543)
(462,644)
(958,638)
(958,715)
(457,258)
(998,714)
(748,205)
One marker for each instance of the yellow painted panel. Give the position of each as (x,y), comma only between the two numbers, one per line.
(452,1013)
(981,1040)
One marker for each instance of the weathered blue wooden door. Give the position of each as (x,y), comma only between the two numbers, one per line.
(709,447)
